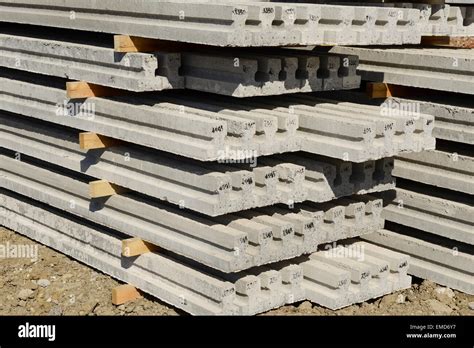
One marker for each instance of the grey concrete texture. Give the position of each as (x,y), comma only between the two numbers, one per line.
(253,74)
(448,170)
(434,68)
(354,273)
(445,20)
(98,65)
(379,133)
(223,23)
(229,243)
(222,128)
(454,115)
(449,265)
(230,73)
(464,2)
(442,216)
(435,19)
(197,291)
(376,26)
(213,189)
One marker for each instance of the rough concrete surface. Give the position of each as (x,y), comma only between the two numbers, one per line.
(76,289)
(225,24)
(434,68)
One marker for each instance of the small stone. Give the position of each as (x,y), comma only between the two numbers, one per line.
(121,307)
(25,294)
(56,310)
(445,291)
(43,283)
(306,305)
(471,305)
(388,300)
(438,307)
(32,285)
(400,298)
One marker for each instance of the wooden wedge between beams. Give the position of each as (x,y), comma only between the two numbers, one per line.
(124,293)
(135,246)
(385,90)
(82,89)
(103,188)
(378,90)
(90,141)
(126,44)
(448,41)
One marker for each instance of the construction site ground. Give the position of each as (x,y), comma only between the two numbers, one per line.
(55,284)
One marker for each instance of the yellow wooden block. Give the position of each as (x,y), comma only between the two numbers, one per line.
(135,246)
(124,293)
(103,188)
(82,89)
(89,141)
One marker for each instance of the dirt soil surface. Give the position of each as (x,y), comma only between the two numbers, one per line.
(55,284)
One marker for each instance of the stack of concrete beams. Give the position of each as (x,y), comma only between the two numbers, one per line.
(227,72)
(430,214)
(195,126)
(333,282)
(432,219)
(238,201)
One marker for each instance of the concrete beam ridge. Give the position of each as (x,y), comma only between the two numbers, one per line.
(241,24)
(444,169)
(444,263)
(194,290)
(434,68)
(454,115)
(435,19)
(440,215)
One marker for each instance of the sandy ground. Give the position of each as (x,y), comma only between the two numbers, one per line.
(56,285)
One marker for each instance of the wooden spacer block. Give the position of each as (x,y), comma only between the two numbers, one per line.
(448,41)
(378,90)
(135,246)
(386,90)
(124,293)
(90,141)
(103,188)
(82,89)
(126,43)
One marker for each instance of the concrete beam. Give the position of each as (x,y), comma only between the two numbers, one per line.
(435,68)
(224,24)
(438,168)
